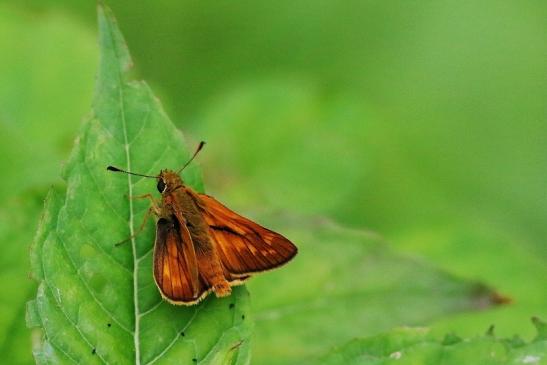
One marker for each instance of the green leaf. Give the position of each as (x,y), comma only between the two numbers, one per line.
(417,346)
(97,302)
(496,256)
(345,284)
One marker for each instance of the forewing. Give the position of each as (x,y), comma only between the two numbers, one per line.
(244,246)
(175,264)
(188,250)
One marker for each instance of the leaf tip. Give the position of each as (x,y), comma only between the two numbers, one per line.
(500,299)
(541,328)
(514,342)
(451,339)
(115,57)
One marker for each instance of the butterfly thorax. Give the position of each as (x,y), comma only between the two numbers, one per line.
(179,199)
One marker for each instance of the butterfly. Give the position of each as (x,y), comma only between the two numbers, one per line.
(202,246)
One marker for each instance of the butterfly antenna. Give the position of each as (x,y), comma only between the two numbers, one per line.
(115,169)
(200,146)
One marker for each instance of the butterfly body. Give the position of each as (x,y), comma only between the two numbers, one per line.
(183,238)
(202,246)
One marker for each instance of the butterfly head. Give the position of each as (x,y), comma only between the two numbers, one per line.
(168,180)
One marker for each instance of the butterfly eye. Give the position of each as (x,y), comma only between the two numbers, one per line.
(161,185)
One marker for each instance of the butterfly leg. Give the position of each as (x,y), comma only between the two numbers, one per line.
(153,201)
(141,228)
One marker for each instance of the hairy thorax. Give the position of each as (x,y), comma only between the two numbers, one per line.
(198,227)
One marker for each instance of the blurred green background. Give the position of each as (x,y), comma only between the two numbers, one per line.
(423,121)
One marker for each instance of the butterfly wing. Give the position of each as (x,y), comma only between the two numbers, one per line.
(243,246)
(175,264)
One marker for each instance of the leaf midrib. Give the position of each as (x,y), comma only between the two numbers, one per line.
(121,102)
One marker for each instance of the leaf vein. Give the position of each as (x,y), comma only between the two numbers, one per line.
(102,250)
(70,321)
(63,352)
(121,104)
(153,168)
(101,193)
(63,244)
(153,308)
(143,124)
(177,335)
(139,259)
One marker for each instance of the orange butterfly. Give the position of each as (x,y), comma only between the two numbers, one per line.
(202,246)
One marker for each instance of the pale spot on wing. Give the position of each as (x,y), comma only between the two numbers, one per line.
(166,277)
(268,238)
(239,244)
